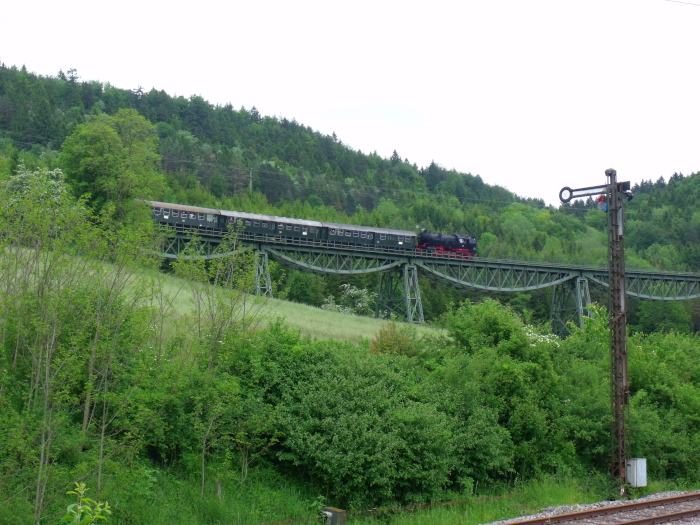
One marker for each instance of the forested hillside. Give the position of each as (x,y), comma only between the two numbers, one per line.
(167,394)
(213,155)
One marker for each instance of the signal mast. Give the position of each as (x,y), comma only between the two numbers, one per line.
(610,200)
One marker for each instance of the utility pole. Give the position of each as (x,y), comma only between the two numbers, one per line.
(610,200)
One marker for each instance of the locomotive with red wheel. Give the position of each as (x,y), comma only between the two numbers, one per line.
(462,246)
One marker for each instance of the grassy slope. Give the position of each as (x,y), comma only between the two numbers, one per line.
(308,320)
(322,324)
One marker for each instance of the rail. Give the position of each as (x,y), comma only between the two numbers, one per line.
(647,512)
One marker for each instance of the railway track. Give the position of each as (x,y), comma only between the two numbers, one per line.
(664,510)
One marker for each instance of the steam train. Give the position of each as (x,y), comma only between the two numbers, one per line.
(253,226)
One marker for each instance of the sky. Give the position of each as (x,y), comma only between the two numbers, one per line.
(531,95)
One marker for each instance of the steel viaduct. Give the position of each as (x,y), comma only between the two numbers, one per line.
(398,292)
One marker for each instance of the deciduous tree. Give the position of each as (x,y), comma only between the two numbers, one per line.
(114,160)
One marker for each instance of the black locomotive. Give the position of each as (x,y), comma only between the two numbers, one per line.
(254,226)
(438,242)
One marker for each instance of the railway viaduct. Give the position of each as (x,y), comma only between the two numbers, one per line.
(398,292)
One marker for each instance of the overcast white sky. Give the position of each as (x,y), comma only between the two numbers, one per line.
(531,95)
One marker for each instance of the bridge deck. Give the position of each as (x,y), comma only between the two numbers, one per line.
(327,257)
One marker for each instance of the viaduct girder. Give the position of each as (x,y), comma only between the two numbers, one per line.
(183,245)
(654,286)
(509,276)
(331,261)
(400,269)
(494,276)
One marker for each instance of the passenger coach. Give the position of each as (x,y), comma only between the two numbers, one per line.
(272,226)
(253,225)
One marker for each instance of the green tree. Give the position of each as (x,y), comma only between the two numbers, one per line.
(114,160)
(395,158)
(662,316)
(67,327)
(305,288)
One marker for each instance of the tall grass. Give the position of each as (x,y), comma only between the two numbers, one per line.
(264,498)
(322,324)
(308,320)
(501,503)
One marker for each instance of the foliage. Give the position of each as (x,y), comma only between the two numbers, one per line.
(42,184)
(395,339)
(486,324)
(666,316)
(86,511)
(352,300)
(114,160)
(349,423)
(68,330)
(305,288)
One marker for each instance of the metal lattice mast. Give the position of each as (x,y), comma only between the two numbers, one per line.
(569,303)
(399,295)
(263,283)
(619,380)
(387,303)
(414,305)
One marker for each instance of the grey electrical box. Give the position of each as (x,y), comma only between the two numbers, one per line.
(637,472)
(334,516)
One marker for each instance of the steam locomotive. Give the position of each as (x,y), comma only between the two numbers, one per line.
(253,226)
(437,242)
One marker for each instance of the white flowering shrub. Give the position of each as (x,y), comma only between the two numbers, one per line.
(46,184)
(353,300)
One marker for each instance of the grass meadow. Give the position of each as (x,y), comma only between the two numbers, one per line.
(309,321)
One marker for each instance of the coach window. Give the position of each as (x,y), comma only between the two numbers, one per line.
(210,217)
(166,212)
(176,213)
(289,227)
(296,228)
(304,230)
(340,232)
(264,225)
(156,211)
(382,236)
(400,239)
(200,216)
(247,223)
(370,236)
(348,233)
(256,224)
(363,235)
(355,234)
